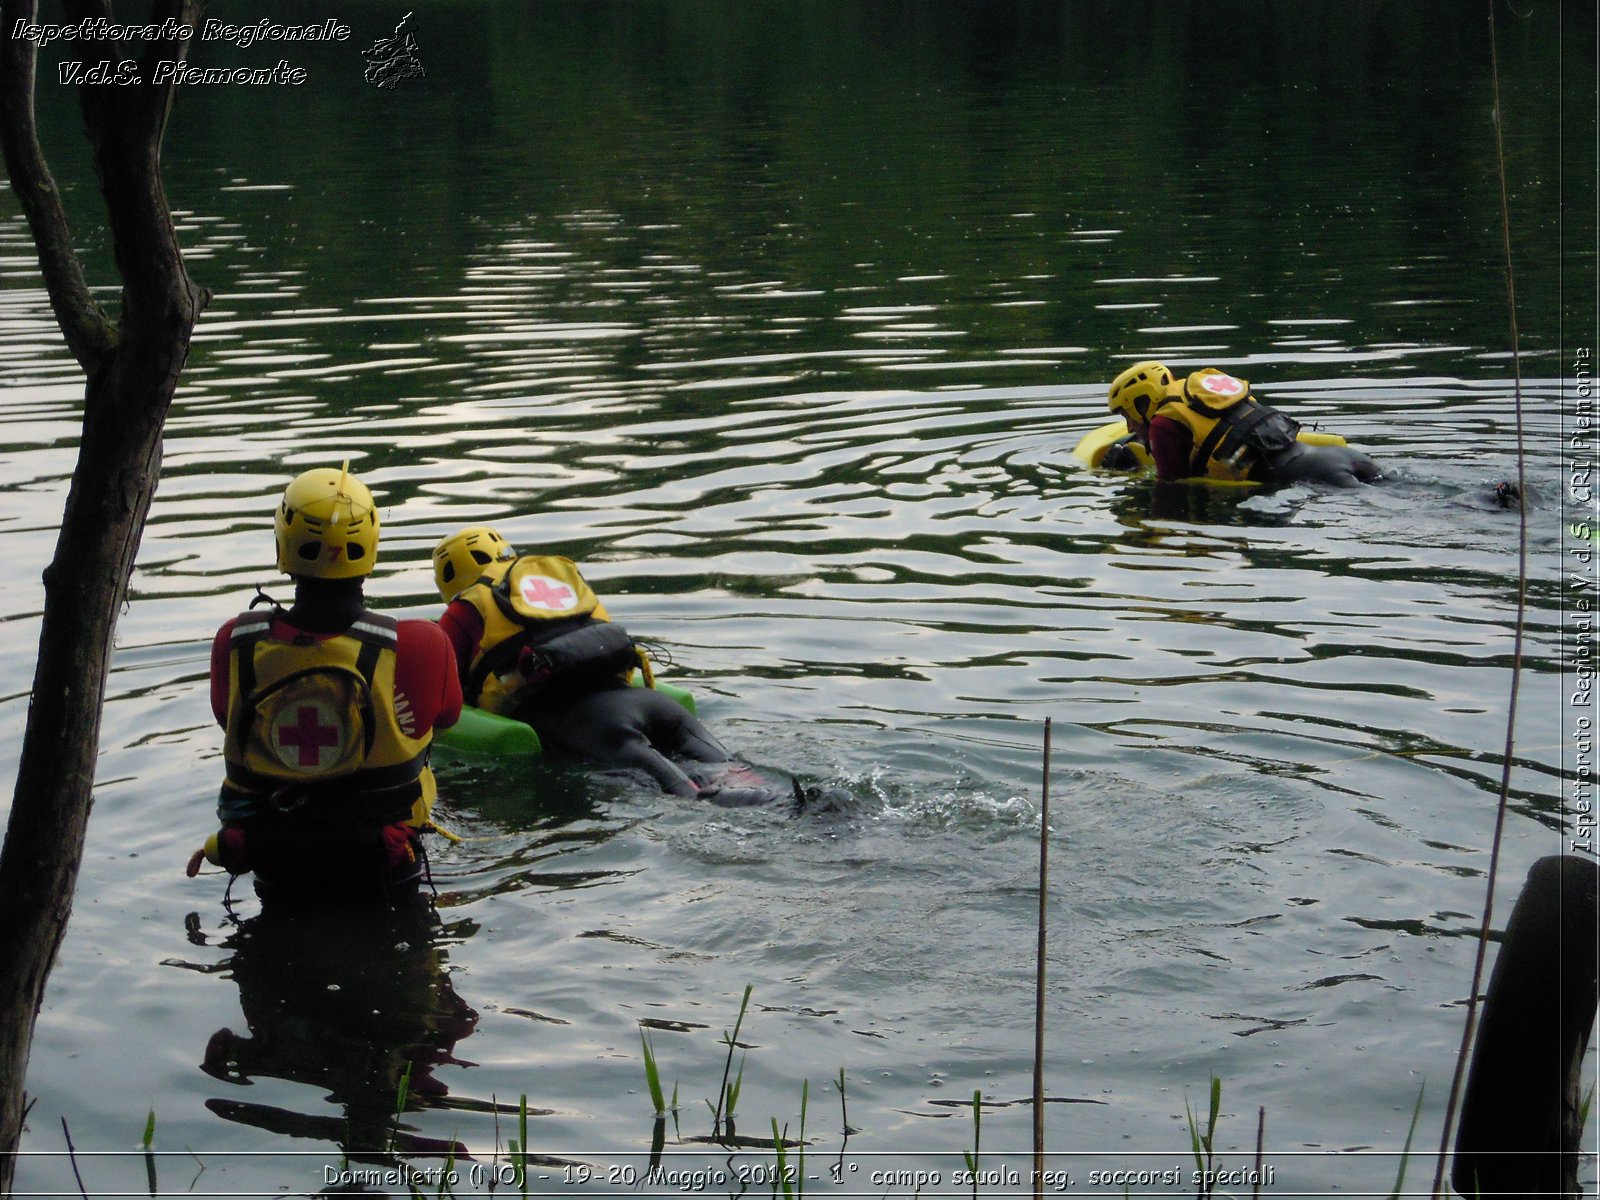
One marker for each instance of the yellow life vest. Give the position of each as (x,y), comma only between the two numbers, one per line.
(532,602)
(313,734)
(1235,436)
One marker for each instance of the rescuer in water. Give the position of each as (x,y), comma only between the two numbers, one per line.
(1210,426)
(532,641)
(328,711)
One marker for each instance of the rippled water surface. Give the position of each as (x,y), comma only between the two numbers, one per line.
(783,320)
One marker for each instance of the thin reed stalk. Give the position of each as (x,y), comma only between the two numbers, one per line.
(1203,1145)
(1405,1154)
(1469,1025)
(844,1119)
(402,1093)
(727,1093)
(971,1156)
(1038,983)
(1261,1141)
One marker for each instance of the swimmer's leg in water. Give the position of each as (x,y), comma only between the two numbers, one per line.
(1337,466)
(639,729)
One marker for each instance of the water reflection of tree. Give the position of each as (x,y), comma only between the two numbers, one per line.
(347,1002)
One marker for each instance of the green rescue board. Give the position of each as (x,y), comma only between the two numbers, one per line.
(479,732)
(1096,442)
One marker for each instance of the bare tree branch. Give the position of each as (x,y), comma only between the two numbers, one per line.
(132,374)
(89,334)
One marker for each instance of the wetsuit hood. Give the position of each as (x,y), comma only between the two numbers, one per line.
(325,605)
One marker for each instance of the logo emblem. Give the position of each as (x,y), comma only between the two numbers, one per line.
(393,59)
(540,591)
(311,741)
(1222,385)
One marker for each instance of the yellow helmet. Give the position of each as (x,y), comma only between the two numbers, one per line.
(1140,390)
(459,559)
(327,526)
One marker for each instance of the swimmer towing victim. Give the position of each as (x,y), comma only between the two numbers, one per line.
(1209,426)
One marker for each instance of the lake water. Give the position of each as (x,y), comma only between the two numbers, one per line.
(783,320)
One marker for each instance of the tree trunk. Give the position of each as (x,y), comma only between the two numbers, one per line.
(132,371)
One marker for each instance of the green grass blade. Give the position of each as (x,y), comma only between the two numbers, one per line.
(446,1188)
(1194,1137)
(1216,1105)
(1400,1179)
(402,1093)
(522,1149)
(744,1005)
(783,1161)
(977,1139)
(735,1088)
(652,1075)
(800,1153)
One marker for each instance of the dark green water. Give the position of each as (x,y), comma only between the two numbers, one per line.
(783,320)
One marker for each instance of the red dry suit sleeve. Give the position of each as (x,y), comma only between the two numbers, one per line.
(463,627)
(424,674)
(1171,445)
(219,672)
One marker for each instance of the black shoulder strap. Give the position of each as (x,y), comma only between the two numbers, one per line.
(500,589)
(376,633)
(1208,446)
(499,658)
(1232,429)
(1259,428)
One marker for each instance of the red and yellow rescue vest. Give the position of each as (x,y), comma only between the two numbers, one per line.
(313,733)
(1235,436)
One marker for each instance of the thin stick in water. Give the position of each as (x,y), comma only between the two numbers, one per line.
(1261,1138)
(1038,986)
(1469,1026)
(72,1157)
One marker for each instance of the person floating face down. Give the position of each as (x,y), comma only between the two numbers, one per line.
(1210,426)
(532,641)
(328,712)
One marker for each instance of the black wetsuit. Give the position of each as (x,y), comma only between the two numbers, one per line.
(1258,438)
(1338,466)
(630,727)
